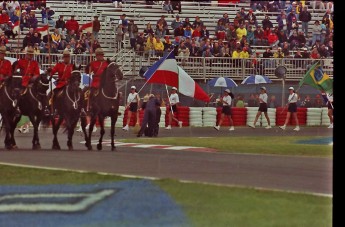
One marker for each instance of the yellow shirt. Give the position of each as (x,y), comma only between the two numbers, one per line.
(241,32)
(236,54)
(159,46)
(244,54)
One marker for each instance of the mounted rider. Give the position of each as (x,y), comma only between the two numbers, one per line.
(5,66)
(64,70)
(29,71)
(96,68)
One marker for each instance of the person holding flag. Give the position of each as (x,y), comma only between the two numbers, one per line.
(292,109)
(173,102)
(133,102)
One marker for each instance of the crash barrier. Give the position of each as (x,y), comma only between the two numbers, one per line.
(241,116)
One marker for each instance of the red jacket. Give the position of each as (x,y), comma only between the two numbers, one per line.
(64,73)
(5,69)
(97,67)
(27,69)
(72,25)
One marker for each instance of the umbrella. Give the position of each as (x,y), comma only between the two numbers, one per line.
(256,79)
(222,82)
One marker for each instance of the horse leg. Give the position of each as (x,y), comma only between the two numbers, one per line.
(83,123)
(112,132)
(35,141)
(7,126)
(101,122)
(56,126)
(12,129)
(92,123)
(70,124)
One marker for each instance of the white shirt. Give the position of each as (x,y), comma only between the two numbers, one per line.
(330,97)
(133,97)
(293,98)
(174,99)
(263,98)
(227,100)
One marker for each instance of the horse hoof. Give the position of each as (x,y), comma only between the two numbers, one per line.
(36,147)
(99,147)
(14,147)
(89,148)
(113,149)
(70,148)
(56,148)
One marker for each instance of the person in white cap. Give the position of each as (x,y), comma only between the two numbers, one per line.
(292,109)
(173,102)
(133,101)
(262,108)
(226,101)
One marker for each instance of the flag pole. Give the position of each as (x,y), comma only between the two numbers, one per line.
(171,109)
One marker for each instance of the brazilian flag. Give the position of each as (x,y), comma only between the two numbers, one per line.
(317,78)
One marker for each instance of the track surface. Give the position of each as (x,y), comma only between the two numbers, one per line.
(298,174)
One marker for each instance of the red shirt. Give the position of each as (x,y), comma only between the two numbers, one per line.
(97,67)
(28,69)
(64,73)
(5,69)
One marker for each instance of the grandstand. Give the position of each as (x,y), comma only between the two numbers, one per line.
(198,67)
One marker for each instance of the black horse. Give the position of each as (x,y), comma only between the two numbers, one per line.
(9,92)
(32,102)
(105,102)
(67,105)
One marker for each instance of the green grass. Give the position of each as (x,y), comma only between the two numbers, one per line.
(205,205)
(257,145)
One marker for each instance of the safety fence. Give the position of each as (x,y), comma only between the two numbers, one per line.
(241,116)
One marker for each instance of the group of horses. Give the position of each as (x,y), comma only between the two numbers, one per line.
(67,107)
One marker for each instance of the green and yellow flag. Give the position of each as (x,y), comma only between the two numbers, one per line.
(317,78)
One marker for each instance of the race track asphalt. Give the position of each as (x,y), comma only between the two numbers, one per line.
(289,173)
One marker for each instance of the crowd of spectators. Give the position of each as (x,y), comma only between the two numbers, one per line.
(235,38)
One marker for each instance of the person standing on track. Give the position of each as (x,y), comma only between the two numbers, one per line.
(173,102)
(133,102)
(262,108)
(226,101)
(328,98)
(292,109)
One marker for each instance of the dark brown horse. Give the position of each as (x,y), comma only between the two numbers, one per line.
(9,92)
(68,104)
(32,103)
(105,102)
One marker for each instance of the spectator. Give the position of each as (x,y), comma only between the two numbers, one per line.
(183,52)
(188,32)
(279,53)
(148,30)
(242,12)
(330,48)
(301,39)
(165,25)
(124,22)
(26,41)
(266,23)
(197,22)
(96,27)
(160,30)
(176,5)
(60,24)
(186,22)
(149,46)
(286,49)
(179,32)
(293,40)
(95,45)
(168,6)
(283,23)
(273,39)
(305,54)
(158,46)
(119,37)
(140,43)
(72,24)
(239,19)
(176,23)
(205,32)
(318,103)
(307,103)
(323,51)
(32,20)
(225,19)
(272,103)
(314,54)
(36,38)
(253,101)
(291,18)
(133,33)
(305,17)
(259,37)
(251,18)
(195,51)
(49,14)
(298,63)
(167,42)
(316,32)
(197,33)
(282,38)
(241,31)
(79,49)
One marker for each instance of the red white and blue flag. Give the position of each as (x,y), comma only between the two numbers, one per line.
(166,71)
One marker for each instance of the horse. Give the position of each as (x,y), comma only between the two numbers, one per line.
(32,102)
(105,102)
(9,92)
(67,105)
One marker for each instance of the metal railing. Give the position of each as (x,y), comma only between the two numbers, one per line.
(199,68)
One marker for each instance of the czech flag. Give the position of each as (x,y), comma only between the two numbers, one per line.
(86,27)
(43,30)
(166,71)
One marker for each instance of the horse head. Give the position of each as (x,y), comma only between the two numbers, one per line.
(75,79)
(41,84)
(110,76)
